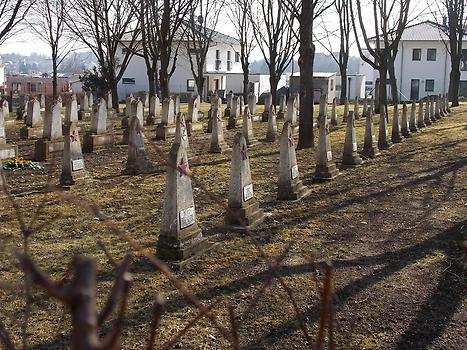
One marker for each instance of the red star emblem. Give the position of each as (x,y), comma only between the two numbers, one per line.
(74,136)
(244,152)
(182,168)
(291,141)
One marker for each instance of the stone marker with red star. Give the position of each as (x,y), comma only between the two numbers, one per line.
(73,168)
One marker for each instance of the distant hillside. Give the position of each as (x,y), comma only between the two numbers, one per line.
(76,62)
(323,63)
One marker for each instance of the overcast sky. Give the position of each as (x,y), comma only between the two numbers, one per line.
(27,44)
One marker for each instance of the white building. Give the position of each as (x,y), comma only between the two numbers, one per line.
(355,86)
(223,59)
(422,63)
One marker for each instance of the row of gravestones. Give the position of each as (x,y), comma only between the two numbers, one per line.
(180,236)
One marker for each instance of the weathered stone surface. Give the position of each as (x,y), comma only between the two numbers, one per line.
(243,209)
(369,147)
(52,137)
(252,103)
(356,111)
(427,118)
(137,161)
(383,142)
(154,110)
(108,98)
(334,119)
(432,109)
(247,130)
(128,108)
(137,110)
(272,128)
(33,117)
(290,187)
(99,118)
(421,116)
(350,157)
(180,237)
(181,133)
(413,118)
(292,111)
(346,110)
(267,107)
(71,113)
(282,107)
(6,150)
(84,103)
(5,108)
(167,126)
(365,107)
(234,114)
(437,107)
(192,120)
(218,144)
(72,161)
(216,103)
(176,101)
(325,167)
(405,131)
(396,127)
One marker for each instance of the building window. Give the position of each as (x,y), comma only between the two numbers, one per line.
(229,60)
(332,84)
(229,65)
(129,81)
(237,57)
(429,85)
(218,54)
(190,85)
(416,54)
(229,55)
(431,54)
(218,64)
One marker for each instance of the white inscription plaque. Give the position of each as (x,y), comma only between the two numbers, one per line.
(187,217)
(247,192)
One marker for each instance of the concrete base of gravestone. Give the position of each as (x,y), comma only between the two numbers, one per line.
(280,115)
(8,151)
(326,172)
(189,244)
(370,152)
(296,193)
(249,216)
(255,118)
(163,132)
(84,115)
(142,166)
(91,142)
(44,148)
(26,132)
(234,123)
(351,161)
(265,116)
(125,122)
(221,147)
(192,127)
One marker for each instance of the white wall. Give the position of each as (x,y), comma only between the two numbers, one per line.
(355,88)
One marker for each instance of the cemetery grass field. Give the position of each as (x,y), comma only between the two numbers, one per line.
(393,229)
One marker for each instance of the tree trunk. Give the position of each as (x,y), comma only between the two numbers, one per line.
(151,81)
(246,81)
(54,77)
(393,80)
(383,96)
(454,80)
(343,71)
(164,76)
(114,91)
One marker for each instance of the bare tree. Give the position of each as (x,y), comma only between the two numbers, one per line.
(173,13)
(204,18)
(48,24)
(12,12)
(456,30)
(306,12)
(389,19)
(238,11)
(274,33)
(104,26)
(342,9)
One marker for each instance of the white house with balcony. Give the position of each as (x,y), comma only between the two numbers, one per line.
(422,64)
(222,60)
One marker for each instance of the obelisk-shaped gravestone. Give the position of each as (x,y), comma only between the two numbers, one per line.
(228,108)
(292,114)
(272,128)
(91,100)
(52,138)
(218,144)
(71,113)
(442,110)
(216,104)
(138,110)
(193,124)
(32,129)
(243,209)
(282,107)
(6,150)
(154,110)
(72,161)
(396,127)
(108,98)
(365,107)
(128,107)
(432,109)
(427,112)
(350,157)
(383,142)
(325,167)
(413,118)
(247,130)
(290,187)
(180,236)
(369,148)
(405,131)
(176,100)
(437,107)
(346,110)
(98,136)
(167,126)
(234,114)
(421,116)
(267,107)
(137,161)
(297,102)
(181,133)
(84,111)
(5,109)
(356,112)
(334,119)
(252,105)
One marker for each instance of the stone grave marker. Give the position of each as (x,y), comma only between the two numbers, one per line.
(137,161)
(98,136)
(154,110)
(84,111)
(243,209)
(52,138)
(346,110)
(334,119)
(383,142)
(421,116)
(267,106)
(252,105)
(6,150)
(282,106)
(413,118)
(218,144)
(356,112)
(350,157)
(405,130)
(247,130)
(290,187)
(192,120)
(272,128)
(33,128)
(71,113)
(432,109)
(396,127)
(180,237)
(369,148)
(325,167)
(167,126)
(365,107)
(216,103)
(181,133)
(234,114)
(72,161)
